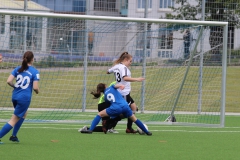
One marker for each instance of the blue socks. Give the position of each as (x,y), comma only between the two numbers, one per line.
(140,125)
(5,129)
(17,126)
(95,121)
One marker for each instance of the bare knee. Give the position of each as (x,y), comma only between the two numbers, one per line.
(14,119)
(103,113)
(133,107)
(133,118)
(25,115)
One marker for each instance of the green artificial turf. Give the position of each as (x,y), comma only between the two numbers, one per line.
(45,141)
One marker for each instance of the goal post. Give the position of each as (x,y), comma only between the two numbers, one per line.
(185,78)
(172,118)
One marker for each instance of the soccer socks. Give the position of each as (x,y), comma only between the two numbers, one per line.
(140,125)
(95,121)
(17,126)
(129,123)
(97,129)
(5,129)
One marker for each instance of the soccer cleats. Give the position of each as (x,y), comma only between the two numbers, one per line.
(131,131)
(87,132)
(14,139)
(149,133)
(83,129)
(112,131)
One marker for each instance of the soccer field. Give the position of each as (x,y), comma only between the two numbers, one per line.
(185,78)
(42,141)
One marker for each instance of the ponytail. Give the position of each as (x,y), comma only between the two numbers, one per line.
(100,89)
(27,58)
(123,56)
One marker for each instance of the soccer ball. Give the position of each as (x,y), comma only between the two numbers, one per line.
(140,131)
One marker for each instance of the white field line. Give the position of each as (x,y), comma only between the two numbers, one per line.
(42,125)
(95,111)
(199,131)
(120,124)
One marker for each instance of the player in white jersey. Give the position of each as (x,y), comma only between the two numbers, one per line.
(123,76)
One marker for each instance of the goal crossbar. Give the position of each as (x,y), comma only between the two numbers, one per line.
(53,38)
(109,18)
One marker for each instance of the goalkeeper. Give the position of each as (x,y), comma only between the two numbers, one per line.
(107,123)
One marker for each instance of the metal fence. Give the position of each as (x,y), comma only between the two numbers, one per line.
(210,10)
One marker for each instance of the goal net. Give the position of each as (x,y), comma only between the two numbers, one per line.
(183,62)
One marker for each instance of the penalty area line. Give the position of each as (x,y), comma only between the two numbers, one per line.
(198,131)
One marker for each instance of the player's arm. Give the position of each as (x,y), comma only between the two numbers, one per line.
(35,82)
(35,87)
(119,86)
(10,80)
(109,71)
(130,79)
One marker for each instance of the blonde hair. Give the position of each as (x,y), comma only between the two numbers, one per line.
(123,56)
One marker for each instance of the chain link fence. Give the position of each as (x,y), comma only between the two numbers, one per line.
(209,10)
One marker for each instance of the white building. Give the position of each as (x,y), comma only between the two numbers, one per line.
(12,30)
(161,42)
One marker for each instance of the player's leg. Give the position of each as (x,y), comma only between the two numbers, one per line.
(96,129)
(113,123)
(96,120)
(105,123)
(9,125)
(20,111)
(16,128)
(127,112)
(110,127)
(140,124)
(133,107)
(105,120)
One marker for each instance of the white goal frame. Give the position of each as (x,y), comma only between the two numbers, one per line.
(129,19)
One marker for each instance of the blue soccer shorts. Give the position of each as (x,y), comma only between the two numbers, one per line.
(20,107)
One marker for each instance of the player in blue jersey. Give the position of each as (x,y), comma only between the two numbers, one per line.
(108,124)
(118,106)
(27,78)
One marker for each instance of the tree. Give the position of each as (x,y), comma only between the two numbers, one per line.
(215,10)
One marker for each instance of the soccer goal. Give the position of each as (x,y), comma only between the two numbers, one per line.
(183,62)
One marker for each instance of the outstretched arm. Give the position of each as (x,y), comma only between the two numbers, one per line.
(130,79)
